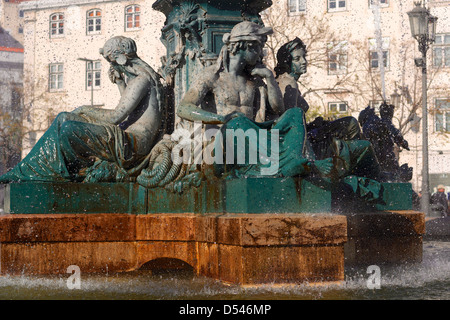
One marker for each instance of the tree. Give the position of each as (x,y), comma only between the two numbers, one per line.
(37,116)
(21,122)
(10,126)
(405,80)
(320,40)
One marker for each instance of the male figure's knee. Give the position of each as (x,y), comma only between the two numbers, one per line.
(238,123)
(68,128)
(62,117)
(294,113)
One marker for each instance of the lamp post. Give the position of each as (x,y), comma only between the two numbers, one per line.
(396,99)
(423,29)
(92,79)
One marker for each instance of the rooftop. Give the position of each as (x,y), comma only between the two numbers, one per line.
(8,43)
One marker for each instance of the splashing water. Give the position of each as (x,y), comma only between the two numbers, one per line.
(427,280)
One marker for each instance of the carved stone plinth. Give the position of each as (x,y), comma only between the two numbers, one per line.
(244,249)
(248,232)
(384,238)
(239,248)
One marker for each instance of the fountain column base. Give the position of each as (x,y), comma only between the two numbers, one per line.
(244,249)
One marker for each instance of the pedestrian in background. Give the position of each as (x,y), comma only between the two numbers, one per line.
(439,201)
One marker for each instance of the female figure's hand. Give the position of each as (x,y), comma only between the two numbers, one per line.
(117,78)
(114,75)
(262,72)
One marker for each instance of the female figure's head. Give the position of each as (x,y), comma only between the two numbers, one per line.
(291,59)
(245,41)
(119,49)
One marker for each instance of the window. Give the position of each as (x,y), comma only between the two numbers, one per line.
(56,77)
(296,6)
(374,59)
(337,5)
(93,74)
(441,50)
(337,107)
(132,17)
(20,30)
(337,57)
(383,3)
(21,13)
(442,117)
(56,25)
(94,21)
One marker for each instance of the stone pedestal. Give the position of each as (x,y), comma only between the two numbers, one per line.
(236,248)
(390,237)
(246,232)
(244,249)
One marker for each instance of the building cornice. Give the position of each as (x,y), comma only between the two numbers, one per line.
(49,4)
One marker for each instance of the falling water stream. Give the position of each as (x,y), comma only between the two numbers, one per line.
(429,279)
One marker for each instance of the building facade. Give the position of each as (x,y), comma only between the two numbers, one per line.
(63,67)
(360,53)
(11,93)
(12,18)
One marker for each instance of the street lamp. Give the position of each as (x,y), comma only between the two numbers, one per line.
(396,99)
(92,79)
(423,29)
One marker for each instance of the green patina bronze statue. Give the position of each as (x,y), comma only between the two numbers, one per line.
(231,92)
(237,94)
(338,142)
(227,97)
(92,144)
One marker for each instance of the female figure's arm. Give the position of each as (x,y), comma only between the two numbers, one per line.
(131,96)
(116,77)
(189,110)
(274,95)
(189,107)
